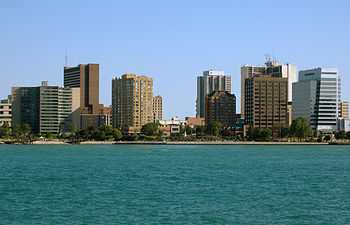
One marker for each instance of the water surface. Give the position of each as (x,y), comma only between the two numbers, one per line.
(174,184)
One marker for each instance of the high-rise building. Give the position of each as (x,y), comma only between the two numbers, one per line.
(6,112)
(157,108)
(207,83)
(132,102)
(273,69)
(316,97)
(25,107)
(85,77)
(266,103)
(344,110)
(220,107)
(46,109)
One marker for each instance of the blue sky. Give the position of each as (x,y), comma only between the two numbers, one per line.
(172,41)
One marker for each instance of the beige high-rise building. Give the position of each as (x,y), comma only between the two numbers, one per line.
(157,108)
(132,102)
(344,110)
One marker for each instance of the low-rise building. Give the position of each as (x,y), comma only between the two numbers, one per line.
(173,126)
(6,112)
(195,121)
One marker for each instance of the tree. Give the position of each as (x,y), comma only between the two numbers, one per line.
(327,138)
(214,128)
(341,135)
(5,131)
(259,134)
(117,134)
(23,134)
(285,132)
(200,131)
(348,135)
(150,129)
(300,129)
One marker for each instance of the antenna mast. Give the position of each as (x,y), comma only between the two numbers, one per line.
(66,59)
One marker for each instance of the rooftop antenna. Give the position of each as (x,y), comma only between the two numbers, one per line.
(268,59)
(66,59)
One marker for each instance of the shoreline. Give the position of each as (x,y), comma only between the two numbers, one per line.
(178,143)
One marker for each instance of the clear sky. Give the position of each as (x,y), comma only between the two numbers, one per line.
(172,41)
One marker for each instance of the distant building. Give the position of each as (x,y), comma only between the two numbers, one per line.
(271,68)
(207,83)
(195,121)
(316,97)
(266,103)
(221,107)
(157,108)
(132,102)
(344,110)
(344,125)
(46,109)
(171,127)
(107,113)
(6,111)
(85,77)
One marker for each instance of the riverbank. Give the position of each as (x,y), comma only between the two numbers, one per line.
(59,142)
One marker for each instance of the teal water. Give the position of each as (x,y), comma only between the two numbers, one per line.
(175,185)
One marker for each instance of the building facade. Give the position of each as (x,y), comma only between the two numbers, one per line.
(266,103)
(221,107)
(132,102)
(85,77)
(157,108)
(46,109)
(207,83)
(344,110)
(25,107)
(6,112)
(316,97)
(273,69)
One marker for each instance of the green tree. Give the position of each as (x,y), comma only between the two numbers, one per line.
(214,128)
(348,135)
(285,132)
(23,134)
(327,138)
(5,131)
(200,131)
(300,129)
(117,134)
(150,129)
(341,135)
(259,134)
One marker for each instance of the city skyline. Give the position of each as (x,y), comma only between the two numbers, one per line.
(173,49)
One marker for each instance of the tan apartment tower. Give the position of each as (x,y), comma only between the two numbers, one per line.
(266,103)
(85,77)
(344,110)
(157,108)
(132,102)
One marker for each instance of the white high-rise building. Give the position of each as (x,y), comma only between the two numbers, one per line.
(316,97)
(209,82)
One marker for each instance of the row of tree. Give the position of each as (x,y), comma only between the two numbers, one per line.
(299,130)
